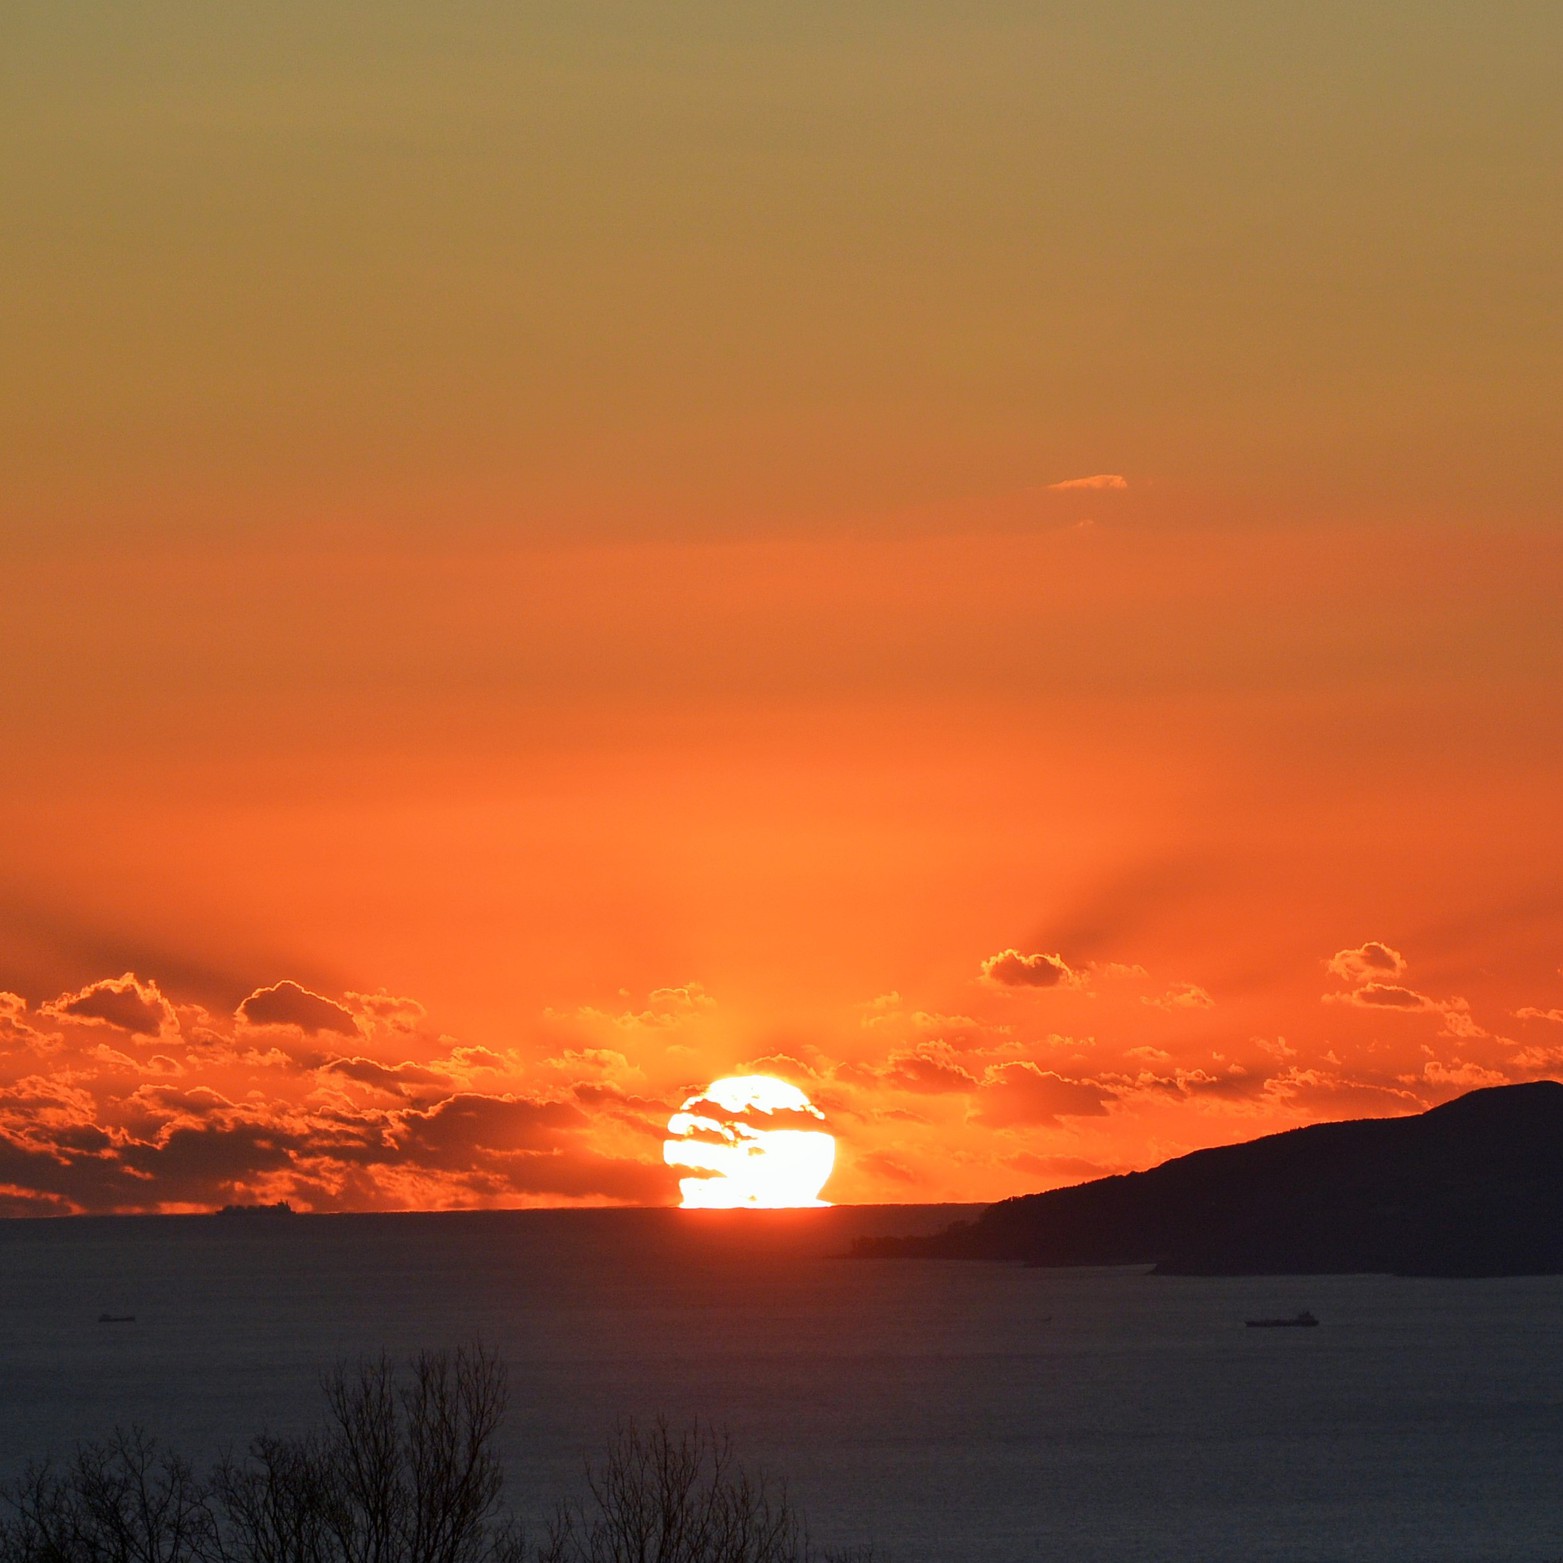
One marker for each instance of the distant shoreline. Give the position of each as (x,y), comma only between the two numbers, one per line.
(268,1217)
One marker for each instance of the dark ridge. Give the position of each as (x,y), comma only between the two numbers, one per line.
(1471,1188)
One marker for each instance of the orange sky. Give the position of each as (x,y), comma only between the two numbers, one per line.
(558,536)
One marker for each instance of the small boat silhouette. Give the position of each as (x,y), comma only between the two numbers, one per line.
(116,1318)
(1298,1321)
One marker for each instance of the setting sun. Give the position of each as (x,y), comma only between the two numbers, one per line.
(749,1142)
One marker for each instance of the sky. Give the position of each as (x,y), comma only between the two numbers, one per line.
(998,563)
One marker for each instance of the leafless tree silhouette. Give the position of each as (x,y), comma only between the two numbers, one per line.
(401,1470)
(123,1501)
(666,1496)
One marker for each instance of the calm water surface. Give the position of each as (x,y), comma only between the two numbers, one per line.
(946,1411)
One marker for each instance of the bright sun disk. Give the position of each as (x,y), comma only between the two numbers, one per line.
(747,1143)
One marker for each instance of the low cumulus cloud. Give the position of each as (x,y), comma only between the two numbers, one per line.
(125,1003)
(1382,995)
(385,1009)
(398,1079)
(1370,962)
(1181,995)
(1011,969)
(929,1067)
(1098,482)
(1335,1093)
(1369,967)
(287,1004)
(130,1103)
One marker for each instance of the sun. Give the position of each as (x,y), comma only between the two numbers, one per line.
(749,1142)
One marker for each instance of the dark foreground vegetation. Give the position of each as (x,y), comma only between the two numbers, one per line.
(1471,1188)
(401,1469)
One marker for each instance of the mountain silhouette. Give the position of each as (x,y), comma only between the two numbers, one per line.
(1471,1188)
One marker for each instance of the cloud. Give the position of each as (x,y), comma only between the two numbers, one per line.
(1277,1047)
(1011,969)
(930,1067)
(197,1148)
(805,1068)
(1098,481)
(452,1133)
(1021,1094)
(287,1004)
(1383,995)
(720,1118)
(398,1079)
(594,1064)
(1182,995)
(1539,1060)
(1458,1020)
(209,1117)
(125,1002)
(1370,962)
(666,1008)
(1467,1076)
(890,1014)
(14,1028)
(1119,971)
(1455,1012)
(382,1008)
(1532,1013)
(1330,1092)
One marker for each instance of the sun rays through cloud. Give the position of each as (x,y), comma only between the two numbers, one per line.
(743,1145)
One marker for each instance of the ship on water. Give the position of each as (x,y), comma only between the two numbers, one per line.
(1298,1321)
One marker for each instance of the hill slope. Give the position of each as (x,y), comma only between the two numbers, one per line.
(1471,1188)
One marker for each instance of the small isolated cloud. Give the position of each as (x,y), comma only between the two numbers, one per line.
(1011,969)
(126,1003)
(287,1004)
(1182,995)
(1013,1095)
(1097,481)
(1530,1012)
(1371,962)
(1120,971)
(1382,995)
(687,998)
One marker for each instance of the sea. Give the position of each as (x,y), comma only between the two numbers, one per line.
(960,1412)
